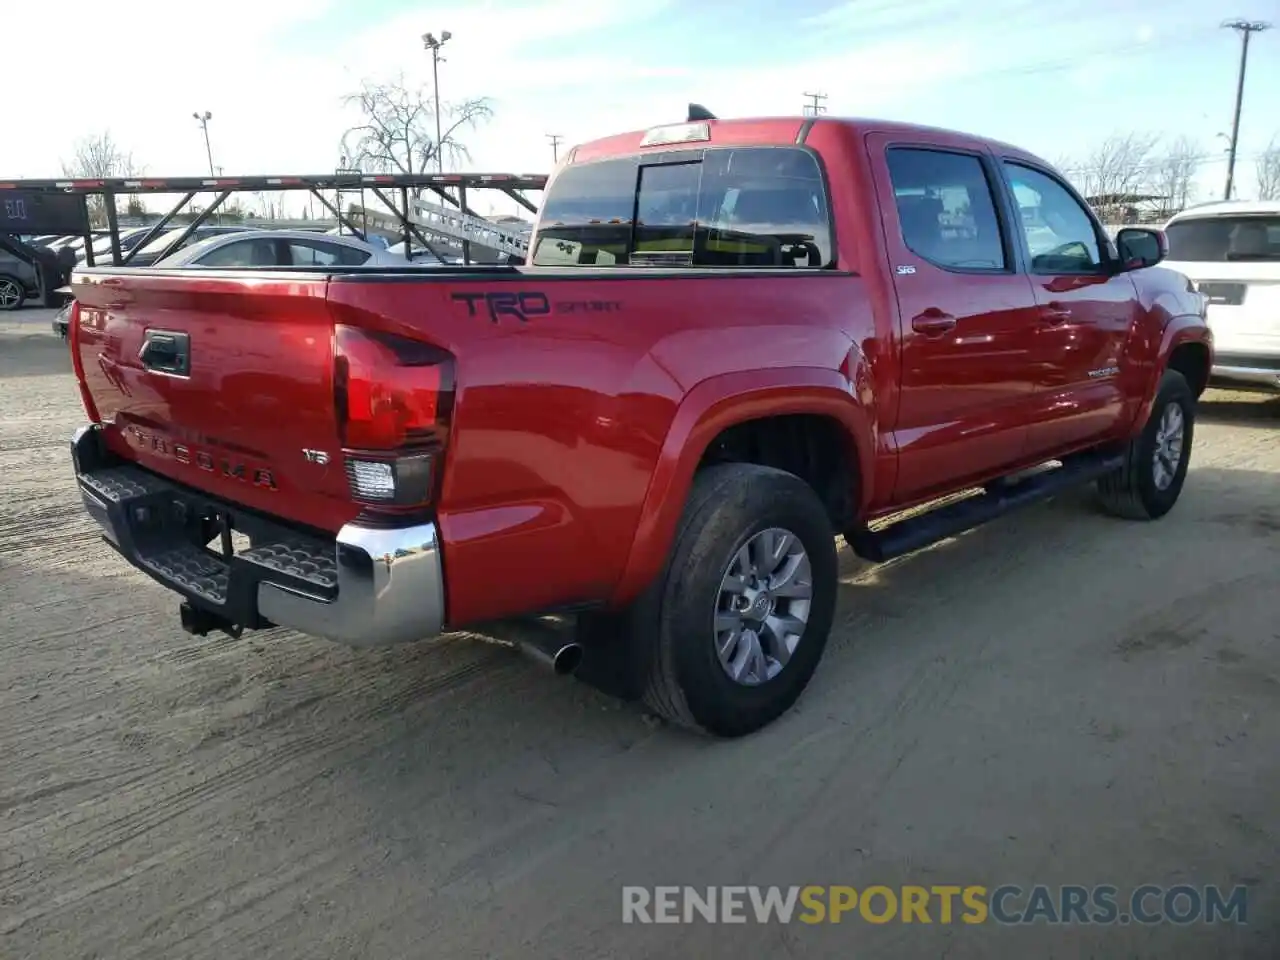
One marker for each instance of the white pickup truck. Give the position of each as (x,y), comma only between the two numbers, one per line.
(1231,250)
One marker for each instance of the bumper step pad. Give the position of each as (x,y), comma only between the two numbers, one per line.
(314,562)
(191,568)
(154,523)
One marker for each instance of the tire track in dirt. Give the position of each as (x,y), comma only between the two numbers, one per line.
(150,804)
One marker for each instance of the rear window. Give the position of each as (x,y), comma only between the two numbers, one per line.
(317,253)
(746,207)
(1218,239)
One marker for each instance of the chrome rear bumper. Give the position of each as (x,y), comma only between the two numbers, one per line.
(367,586)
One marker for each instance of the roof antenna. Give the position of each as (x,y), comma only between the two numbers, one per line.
(698,112)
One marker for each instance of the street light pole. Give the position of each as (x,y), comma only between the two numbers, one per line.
(204,119)
(432,43)
(1245,28)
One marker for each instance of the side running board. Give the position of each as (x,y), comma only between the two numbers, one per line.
(922,529)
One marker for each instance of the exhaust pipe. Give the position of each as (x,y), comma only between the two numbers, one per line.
(561,656)
(544,640)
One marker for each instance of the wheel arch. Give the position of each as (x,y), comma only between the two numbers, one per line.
(720,404)
(1186,345)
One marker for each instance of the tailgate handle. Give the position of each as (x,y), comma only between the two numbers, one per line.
(166,351)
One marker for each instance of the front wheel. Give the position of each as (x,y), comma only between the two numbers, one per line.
(1155,467)
(739,621)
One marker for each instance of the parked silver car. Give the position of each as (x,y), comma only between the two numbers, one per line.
(149,254)
(281,248)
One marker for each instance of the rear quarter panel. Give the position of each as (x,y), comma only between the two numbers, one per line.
(560,419)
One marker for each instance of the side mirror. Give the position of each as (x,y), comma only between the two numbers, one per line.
(1141,247)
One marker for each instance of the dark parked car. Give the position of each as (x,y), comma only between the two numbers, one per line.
(18,281)
(22,268)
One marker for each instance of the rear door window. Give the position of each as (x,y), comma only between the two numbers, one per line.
(946,208)
(748,208)
(319,253)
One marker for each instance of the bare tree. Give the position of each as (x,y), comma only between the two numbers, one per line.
(1173,172)
(1268,170)
(398,133)
(1118,165)
(269,205)
(99,157)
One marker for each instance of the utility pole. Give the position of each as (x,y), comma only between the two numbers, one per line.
(816,107)
(204,119)
(430,42)
(556,140)
(1246,28)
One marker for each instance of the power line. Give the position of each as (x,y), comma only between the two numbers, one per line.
(1246,28)
(555,140)
(816,107)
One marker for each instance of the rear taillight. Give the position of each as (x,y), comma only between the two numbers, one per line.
(73,341)
(393,398)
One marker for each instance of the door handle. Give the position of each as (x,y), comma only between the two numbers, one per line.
(933,322)
(1055,312)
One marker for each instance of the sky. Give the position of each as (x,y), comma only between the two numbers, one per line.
(1053,78)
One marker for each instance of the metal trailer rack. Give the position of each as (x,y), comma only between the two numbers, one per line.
(458,228)
(453,188)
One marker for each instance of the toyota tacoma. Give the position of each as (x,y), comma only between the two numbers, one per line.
(732,342)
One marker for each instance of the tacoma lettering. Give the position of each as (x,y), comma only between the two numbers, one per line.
(184,454)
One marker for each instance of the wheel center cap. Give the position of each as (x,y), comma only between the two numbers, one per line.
(760,607)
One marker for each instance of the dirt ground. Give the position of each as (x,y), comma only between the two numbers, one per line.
(1056,698)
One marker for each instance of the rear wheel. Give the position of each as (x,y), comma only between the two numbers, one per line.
(1155,468)
(737,625)
(12,293)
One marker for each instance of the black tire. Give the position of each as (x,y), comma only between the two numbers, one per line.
(1131,492)
(12,293)
(684,681)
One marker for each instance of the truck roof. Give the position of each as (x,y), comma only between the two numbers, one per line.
(784,129)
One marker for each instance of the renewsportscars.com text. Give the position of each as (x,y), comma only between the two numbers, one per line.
(973,904)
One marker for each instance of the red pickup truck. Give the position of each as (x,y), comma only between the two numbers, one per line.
(733,341)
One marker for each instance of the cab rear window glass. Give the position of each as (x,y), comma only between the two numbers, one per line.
(750,207)
(1217,239)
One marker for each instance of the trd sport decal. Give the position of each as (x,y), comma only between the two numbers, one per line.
(523,305)
(518,305)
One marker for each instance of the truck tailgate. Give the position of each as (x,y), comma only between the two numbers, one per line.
(221,383)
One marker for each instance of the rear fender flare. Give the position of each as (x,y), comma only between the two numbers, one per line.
(709,408)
